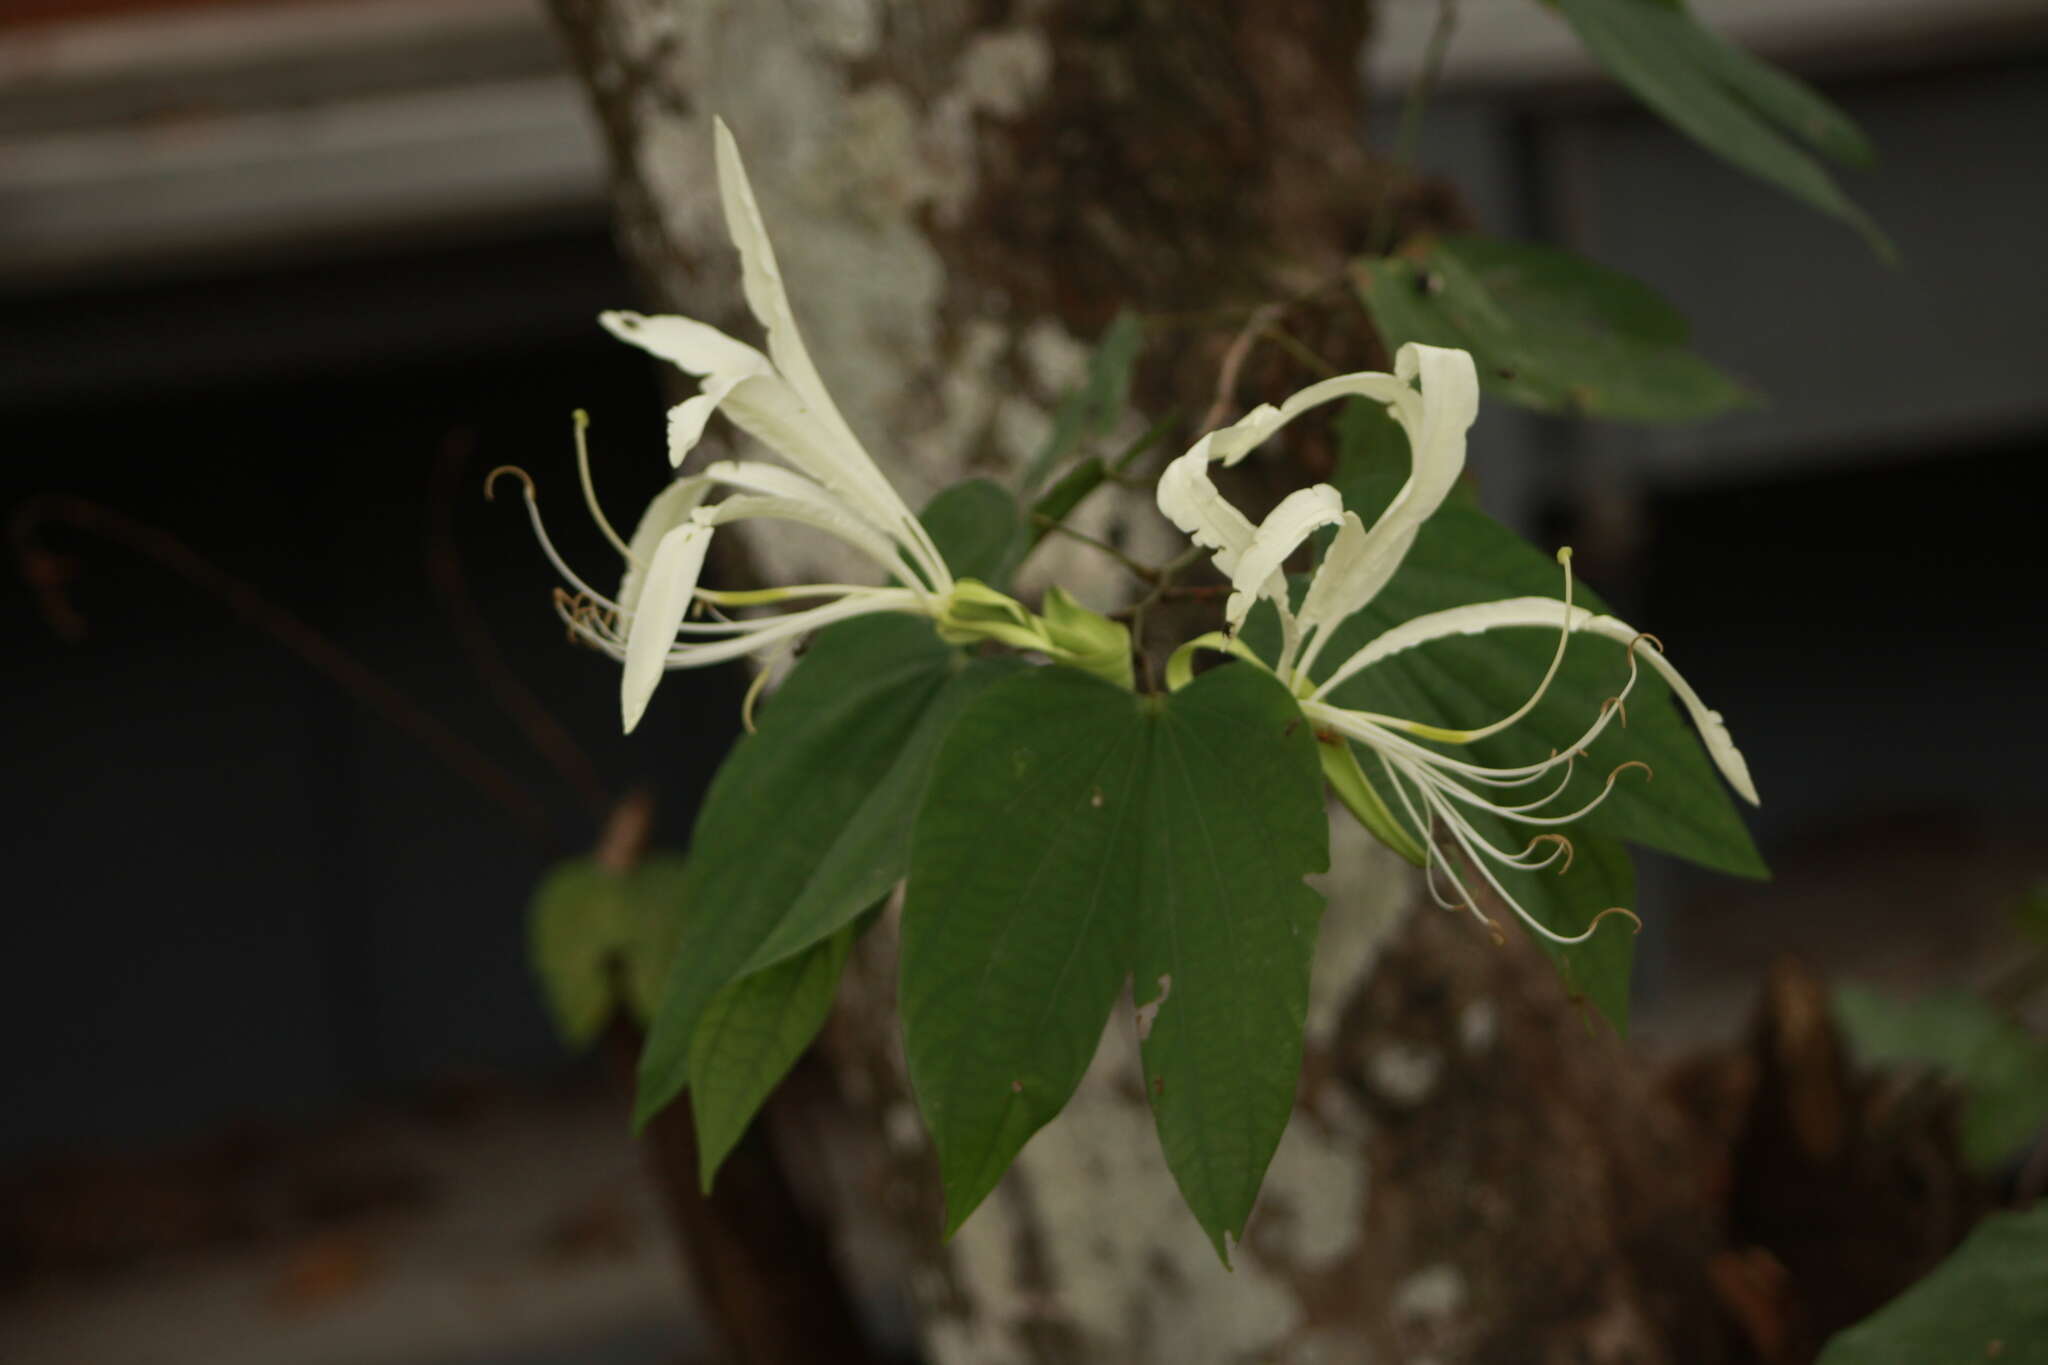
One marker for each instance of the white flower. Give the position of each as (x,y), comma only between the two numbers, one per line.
(829,483)
(1435,790)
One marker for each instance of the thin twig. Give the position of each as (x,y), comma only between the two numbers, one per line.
(1143,572)
(1409,133)
(45,571)
(549,738)
(1264,316)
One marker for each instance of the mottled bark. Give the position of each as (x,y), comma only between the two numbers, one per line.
(961,194)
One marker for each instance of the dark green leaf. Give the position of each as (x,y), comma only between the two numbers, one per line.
(1986,1302)
(1547,329)
(979,530)
(1073,831)
(1730,103)
(2001,1068)
(1234,817)
(781,803)
(751,1034)
(872,851)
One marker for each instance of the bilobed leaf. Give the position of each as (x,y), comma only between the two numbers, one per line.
(2001,1068)
(654,890)
(597,934)
(578,927)
(1987,1302)
(781,803)
(1072,832)
(1734,105)
(1547,329)
(752,1032)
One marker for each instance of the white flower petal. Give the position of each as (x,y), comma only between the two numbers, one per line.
(670,508)
(670,584)
(1190,501)
(692,346)
(1546,613)
(761,279)
(823,516)
(1299,515)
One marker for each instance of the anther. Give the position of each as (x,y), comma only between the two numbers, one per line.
(491,479)
(1625,913)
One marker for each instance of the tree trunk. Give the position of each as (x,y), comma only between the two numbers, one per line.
(961,196)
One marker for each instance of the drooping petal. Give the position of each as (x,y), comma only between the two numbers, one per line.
(1190,501)
(670,508)
(1547,612)
(1299,515)
(670,583)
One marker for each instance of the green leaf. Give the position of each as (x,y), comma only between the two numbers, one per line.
(595,933)
(751,1034)
(2001,1068)
(872,850)
(1092,409)
(769,833)
(1547,329)
(1234,818)
(655,889)
(1599,877)
(1074,832)
(1734,105)
(979,530)
(808,822)
(578,927)
(1987,1302)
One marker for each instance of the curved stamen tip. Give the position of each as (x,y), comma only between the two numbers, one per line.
(1616,704)
(754,690)
(1623,911)
(1649,774)
(1562,843)
(491,480)
(1643,635)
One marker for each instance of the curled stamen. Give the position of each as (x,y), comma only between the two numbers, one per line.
(1649,774)
(1623,911)
(754,690)
(491,481)
(1564,847)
